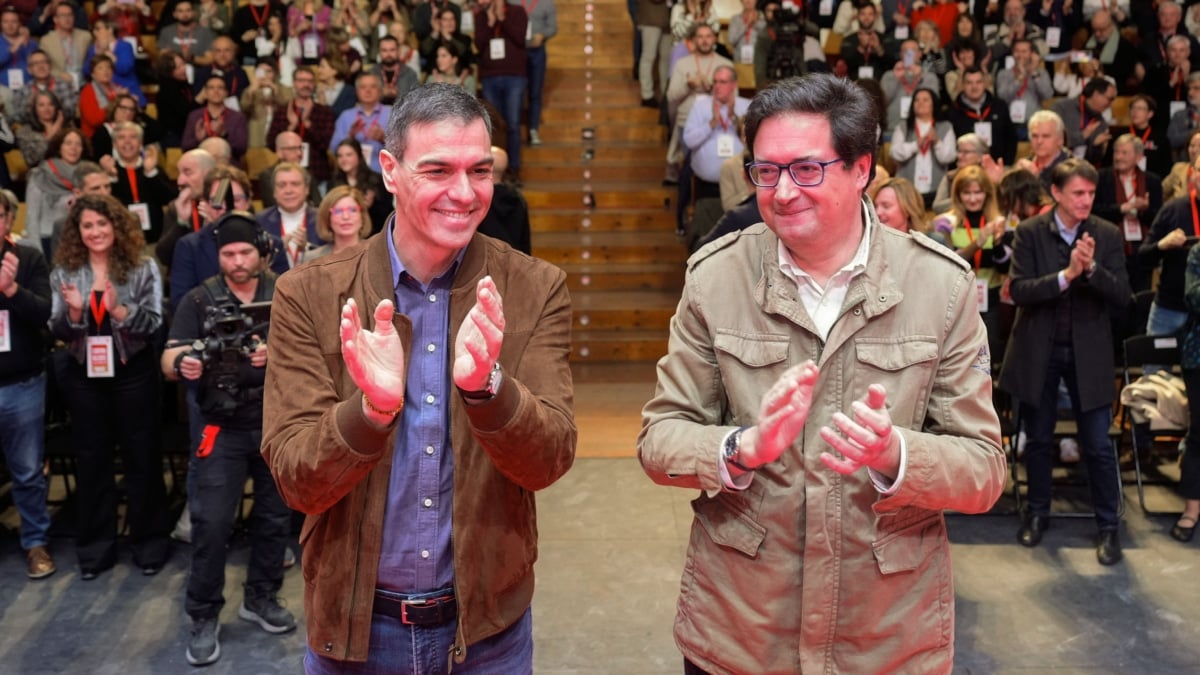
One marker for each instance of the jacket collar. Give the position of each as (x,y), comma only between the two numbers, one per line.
(381,285)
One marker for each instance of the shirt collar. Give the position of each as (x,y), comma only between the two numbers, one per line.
(398,269)
(1068,235)
(856,266)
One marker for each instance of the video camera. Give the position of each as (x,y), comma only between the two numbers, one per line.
(229,331)
(785,57)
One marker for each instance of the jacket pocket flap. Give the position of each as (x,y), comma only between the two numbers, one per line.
(753,350)
(728,528)
(904,550)
(895,355)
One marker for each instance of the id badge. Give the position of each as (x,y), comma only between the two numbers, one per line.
(468,23)
(304,154)
(1141,163)
(1133,229)
(1177,107)
(901,32)
(142,211)
(310,47)
(725,145)
(923,174)
(746,53)
(191,73)
(528,31)
(368,154)
(100,356)
(1016,110)
(496,49)
(905,106)
(866,72)
(5,332)
(233,103)
(383,29)
(16,78)
(1053,37)
(825,8)
(981,291)
(984,131)
(1009,62)
(1079,151)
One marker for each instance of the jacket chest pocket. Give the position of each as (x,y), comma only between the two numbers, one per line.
(750,364)
(904,366)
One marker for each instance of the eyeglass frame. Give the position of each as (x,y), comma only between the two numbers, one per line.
(750,166)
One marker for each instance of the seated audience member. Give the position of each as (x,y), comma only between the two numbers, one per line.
(1166,248)
(689,78)
(109,385)
(332,89)
(311,120)
(46,120)
(1187,120)
(1166,82)
(50,188)
(900,207)
(1189,474)
(1160,30)
(41,19)
(342,220)
(186,37)
(1071,76)
(395,75)
(25,300)
(976,111)
(123,58)
(352,170)
(366,122)
(174,100)
(901,83)
(1177,182)
(216,120)
(711,134)
(966,31)
(41,80)
(219,148)
(1013,28)
(922,145)
(137,179)
(929,49)
(1046,142)
(184,215)
(963,60)
(16,44)
(1129,197)
(1024,85)
(91,179)
(355,20)
(292,219)
(288,148)
(95,96)
(735,184)
(507,218)
(259,101)
(1086,128)
(448,67)
(976,230)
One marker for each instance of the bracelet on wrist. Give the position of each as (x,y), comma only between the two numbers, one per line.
(389,413)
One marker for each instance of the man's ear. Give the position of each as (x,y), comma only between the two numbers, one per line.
(387,165)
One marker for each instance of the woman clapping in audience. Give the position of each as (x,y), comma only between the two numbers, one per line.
(923,146)
(342,220)
(51,187)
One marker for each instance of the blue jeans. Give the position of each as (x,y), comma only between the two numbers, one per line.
(537,80)
(1039,420)
(397,648)
(507,94)
(22,426)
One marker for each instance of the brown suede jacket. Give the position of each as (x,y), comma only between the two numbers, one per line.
(330,463)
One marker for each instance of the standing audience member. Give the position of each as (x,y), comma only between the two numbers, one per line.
(184,215)
(1024,85)
(1153,135)
(1117,56)
(137,180)
(445,31)
(291,219)
(1086,128)
(654,27)
(1177,183)
(690,78)
(250,25)
(1046,142)
(312,120)
(923,146)
(1068,270)
(174,101)
(863,51)
(16,45)
(484,371)
(185,36)
(342,220)
(259,101)
(1130,197)
(900,85)
(352,170)
(51,187)
(107,42)
(772,442)
(1166,248)
(25,306)
(712,133)
(500,31)
(1187,119)
(366,122)
(543,25)
(1189,477)
(395,77)
(424,14)
(308,22)
(976,111)
(66,45)
(107,308)
(216,120)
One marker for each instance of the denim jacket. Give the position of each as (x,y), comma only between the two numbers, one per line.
(142,295)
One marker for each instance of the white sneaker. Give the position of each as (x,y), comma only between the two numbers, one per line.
(183,527)
(1068,451)
(534,139)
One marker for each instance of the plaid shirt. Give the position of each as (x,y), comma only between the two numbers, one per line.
(316,133)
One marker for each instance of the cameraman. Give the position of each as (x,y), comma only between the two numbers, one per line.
(228,373)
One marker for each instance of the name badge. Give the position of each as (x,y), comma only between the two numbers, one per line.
(1016,110)
(905,106)
(866,72)
(825,8)
(5,332)
(1009,62)
(725,145)
(1141,163)
(233,103)
(357,45)
(1176,107)
(311,47)
(368,153)
(528,31)
(142,211)
(16,78)
(923,172)
(100,356)
(468,23)
(383,28)
(981,291)
(1079,151)
(746,53)
(984,131)
(901,32)
(1133,229)
(496,49)
(304,154)
(191,73)
(1053,37)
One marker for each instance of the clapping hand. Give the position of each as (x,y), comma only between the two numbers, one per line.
(480,337)
(866,440)
(374,359)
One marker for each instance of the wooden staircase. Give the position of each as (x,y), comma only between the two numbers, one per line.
(597,206)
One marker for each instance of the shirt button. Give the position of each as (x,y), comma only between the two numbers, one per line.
(429,399)
(431,347)
(432,297)
(429,449)
(428,502)
(425,554)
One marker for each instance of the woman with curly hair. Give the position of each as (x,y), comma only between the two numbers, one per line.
(51,186)
(342,220)
(107,308)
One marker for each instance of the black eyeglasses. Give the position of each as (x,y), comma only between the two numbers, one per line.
(805,173)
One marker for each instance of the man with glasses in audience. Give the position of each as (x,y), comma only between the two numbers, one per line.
(289,147)
(66,45)
(1083,120)
(828,390)
(712,134)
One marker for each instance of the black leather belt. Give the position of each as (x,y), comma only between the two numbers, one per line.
(422,612)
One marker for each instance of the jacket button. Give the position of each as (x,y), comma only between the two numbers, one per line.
(858,311)
(328,646)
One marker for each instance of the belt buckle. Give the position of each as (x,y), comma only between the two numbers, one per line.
(426,602)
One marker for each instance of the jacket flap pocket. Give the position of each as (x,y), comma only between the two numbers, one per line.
(895,355)
(728,528)
(905,549)
(753,350)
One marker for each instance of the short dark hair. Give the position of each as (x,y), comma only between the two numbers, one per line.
(234,174)
(852,116)
(971,70)
(429,103)
(1095,86)
(1067,169)
(1019,187)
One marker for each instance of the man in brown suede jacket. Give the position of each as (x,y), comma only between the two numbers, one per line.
(414,431)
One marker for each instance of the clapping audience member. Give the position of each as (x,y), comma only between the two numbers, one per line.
(308,21)
(107,308)
(309,118)
(46,120)
(1189,476)
(251,23)
(185,36)
(900,85)
(900,207)
(174,101)
(395,76)
(137,179)
(352,170)
(342,220)
(42,80)
(1084,123)
(445,29)
(448,68)
(65,43)
(503,69)
(123,58)
(124,108)
(1024,85)
(1130,197)
(292,220)
(16,45)
(216,120)
(51,187)
(922,145)
(96,95)
(259,101)
(976,110)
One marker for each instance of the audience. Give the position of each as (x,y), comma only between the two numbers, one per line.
(342,220)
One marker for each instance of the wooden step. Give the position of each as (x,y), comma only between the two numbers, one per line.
(573,153)
(585,277)
(570,60)
(568,195)
(607,347)
(598,113)
(604,132)
(615,220)
(649,173)
(616,73)
(623,311)
(599,248)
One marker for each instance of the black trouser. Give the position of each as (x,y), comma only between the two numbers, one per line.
(214,494)
(1189,477)
(107,413)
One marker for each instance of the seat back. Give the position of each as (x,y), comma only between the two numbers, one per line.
(1156,349)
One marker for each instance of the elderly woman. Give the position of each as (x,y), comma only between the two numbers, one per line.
(51,187)
(107,308)
(342,220)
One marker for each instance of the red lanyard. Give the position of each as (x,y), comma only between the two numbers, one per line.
(904,83)
(703,75)
(971,237)
(529,9)
(207,119)
(1195,216)
(922,144)
(1145,136)
(1024,84)
(299,119)
(374,119)
(195,218)
(283,235)
(98,308)
(66,183)
(132,173)
(1082,115)
(260,21)
(978,116)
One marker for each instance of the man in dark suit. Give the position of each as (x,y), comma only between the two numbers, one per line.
(1068,272)
(976,111)
(292,219)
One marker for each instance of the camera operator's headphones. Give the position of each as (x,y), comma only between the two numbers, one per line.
(263,241)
